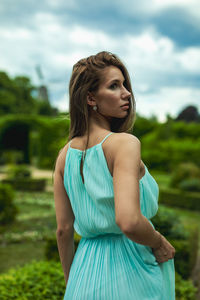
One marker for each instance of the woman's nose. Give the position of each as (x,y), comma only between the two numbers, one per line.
(125,93)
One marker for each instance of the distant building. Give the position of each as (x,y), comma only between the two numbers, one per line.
(43,93)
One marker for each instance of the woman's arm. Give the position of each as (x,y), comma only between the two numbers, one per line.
(126,172)
(64,217)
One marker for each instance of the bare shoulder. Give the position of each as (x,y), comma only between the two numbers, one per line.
(60,161)
(126,137)
(125,141)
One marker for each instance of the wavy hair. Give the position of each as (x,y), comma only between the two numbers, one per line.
(86,77)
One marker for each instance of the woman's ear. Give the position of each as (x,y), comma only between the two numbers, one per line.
(90,99)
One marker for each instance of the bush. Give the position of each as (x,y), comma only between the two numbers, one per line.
(38,280)
(185,289)
(27,184)
(11,157)
(178,198)
(19,171)
(192,184)
(8,210)
(185,242)
(167,222)
(182,258)
(45,280)
(182,172)
(51,249)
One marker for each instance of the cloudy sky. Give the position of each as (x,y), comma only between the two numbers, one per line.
(158,40)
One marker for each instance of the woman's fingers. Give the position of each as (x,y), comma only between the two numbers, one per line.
(165,252)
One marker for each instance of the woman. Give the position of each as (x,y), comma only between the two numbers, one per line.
(104,191)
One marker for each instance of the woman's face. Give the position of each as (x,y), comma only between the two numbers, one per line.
(112,94)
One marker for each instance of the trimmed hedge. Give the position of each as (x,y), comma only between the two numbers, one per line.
(8,209)
(45,136)
(184,171)
(45,280)
(192,184)
(26,184)
(18,171)
(178,198)
(37,280)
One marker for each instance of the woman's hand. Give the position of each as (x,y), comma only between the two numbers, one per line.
(164,252)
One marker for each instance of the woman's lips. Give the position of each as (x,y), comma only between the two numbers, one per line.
(124,107)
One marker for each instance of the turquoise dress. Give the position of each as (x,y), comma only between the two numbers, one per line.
(108,265)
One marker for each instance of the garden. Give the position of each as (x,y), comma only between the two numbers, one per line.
(29,261)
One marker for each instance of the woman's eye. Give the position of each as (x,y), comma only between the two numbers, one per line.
(113,86)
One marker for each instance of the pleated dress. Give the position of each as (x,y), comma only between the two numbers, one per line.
(108,265)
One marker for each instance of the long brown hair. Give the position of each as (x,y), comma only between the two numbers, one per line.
(86,77)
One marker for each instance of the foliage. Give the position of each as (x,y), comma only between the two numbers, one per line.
(26,184)
(45,280)
(189,114)
(184,241)
(178,198)
(192,184)
(8,210)
(18,171)
(144,126)
(16,97)
(11,157)
(185,289)
(51,249)
(183,172)
(52,137)
(169,224)
(38,280)
(38,138)
(171,143)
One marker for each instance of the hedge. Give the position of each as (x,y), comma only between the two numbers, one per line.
(26,184)
(45,280)
(37,280)
(184,241)
(8,209)
(51,249)
(178,198)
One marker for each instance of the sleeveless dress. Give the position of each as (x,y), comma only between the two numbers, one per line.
(108,265)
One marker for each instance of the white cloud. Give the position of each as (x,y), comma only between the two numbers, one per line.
(167,100)
(190,59)
(151,59)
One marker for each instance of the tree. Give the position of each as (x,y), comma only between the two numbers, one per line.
(189,114)
(17,97)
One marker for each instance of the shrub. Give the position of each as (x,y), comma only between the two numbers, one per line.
(37,280)
(184,241)
(51,249)
(45,280)
(8,210)
(185,289)
(167,222)
(178,198)
(19,171)
(11,157)
(182,172)
(27,184)
(192,184)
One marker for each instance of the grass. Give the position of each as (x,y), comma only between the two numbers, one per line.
(36,214)
(14,255)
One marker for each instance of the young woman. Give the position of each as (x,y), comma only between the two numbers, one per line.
(105,192)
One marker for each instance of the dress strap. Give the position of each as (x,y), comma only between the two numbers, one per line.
(106,137)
